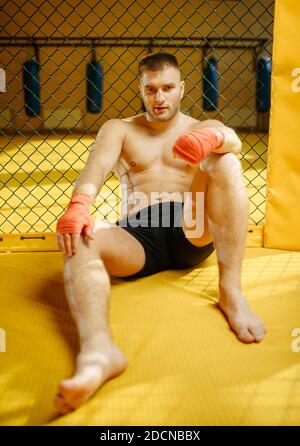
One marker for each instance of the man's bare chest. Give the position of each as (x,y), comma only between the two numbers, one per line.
(144,152)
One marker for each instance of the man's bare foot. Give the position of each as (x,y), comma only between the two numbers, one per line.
(94,367)
(242,320)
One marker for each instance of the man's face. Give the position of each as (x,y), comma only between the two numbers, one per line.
(161,92)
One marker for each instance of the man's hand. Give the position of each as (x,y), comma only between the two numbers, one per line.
(76,220)
(231,142)
(195,144)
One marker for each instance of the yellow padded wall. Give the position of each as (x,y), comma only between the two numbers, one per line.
(282,229)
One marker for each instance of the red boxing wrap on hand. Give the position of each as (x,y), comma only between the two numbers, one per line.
(194,145)
(77,217)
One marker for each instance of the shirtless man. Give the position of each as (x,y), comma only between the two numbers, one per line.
(141,150)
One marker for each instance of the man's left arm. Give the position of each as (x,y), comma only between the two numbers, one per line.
(203,138)
(230,140)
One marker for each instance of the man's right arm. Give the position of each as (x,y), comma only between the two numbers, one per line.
(102,159)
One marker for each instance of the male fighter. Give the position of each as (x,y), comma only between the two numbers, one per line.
(167,162)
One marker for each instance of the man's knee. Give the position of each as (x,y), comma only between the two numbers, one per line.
(105,246)
(86,251)
(103,237)
(224,166)
(86,259)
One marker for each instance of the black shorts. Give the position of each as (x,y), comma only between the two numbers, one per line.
(158,228)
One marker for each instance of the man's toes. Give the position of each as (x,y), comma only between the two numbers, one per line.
(258,332)
(244,335)
(68,387)
(75,391)
(61,405)
(59,401)
(66,409)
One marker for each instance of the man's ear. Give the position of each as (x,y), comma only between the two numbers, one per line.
(140,88)
(142,96)
(182,86)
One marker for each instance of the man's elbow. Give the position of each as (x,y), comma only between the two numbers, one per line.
(232,141)
(238,146)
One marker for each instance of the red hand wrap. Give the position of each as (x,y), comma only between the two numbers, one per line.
(77,217)
(194,145)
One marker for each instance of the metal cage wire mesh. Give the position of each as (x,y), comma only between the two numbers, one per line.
(41,156)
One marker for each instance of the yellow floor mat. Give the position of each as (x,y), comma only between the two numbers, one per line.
(185,365)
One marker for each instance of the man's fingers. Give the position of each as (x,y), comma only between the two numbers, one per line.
(88,234)
(74,238)
(60,242)
(67,243)
(68,246)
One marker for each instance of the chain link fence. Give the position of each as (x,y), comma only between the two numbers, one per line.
(48,122)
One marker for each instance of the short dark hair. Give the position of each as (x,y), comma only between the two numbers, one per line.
(157,62)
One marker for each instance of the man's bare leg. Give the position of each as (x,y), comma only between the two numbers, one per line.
(87,287)
(226,204)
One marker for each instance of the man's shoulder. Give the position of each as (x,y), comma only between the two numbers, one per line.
(135,118)
(207,123)
(123,123)
(114,123)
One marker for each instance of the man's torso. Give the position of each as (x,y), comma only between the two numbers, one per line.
(146,168)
